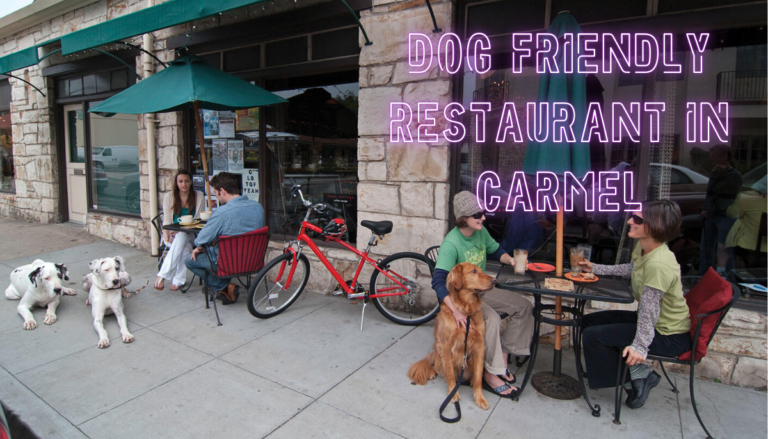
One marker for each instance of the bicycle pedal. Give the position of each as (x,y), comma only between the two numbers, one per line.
(337,293)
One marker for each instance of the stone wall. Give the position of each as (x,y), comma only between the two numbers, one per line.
(405,183)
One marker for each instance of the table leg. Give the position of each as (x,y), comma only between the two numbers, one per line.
(534,346)
(579,306)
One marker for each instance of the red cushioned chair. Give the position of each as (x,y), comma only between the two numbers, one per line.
(709,298)
(239,255)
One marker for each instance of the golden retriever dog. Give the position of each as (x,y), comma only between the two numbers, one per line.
(466,282)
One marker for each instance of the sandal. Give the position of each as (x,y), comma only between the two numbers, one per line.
(174,287)
(508,373)
(160,284)
(502,388)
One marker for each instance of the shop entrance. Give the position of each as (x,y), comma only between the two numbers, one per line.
(74,145)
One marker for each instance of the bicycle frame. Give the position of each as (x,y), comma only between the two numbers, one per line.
(350,292)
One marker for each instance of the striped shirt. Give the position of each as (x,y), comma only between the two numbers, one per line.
(240,215)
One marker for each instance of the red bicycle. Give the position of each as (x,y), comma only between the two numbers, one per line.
(400,286)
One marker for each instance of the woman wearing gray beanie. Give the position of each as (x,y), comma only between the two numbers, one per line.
(470,242)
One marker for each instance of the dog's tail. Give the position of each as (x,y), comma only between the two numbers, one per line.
(11,293)
(423,370)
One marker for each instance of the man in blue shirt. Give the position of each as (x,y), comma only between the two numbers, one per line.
(237,215)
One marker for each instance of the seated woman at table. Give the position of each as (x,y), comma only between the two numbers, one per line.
(470,242)
(182,200)
(661,324)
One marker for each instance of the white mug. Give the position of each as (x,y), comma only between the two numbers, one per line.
(205,215)
(185,219)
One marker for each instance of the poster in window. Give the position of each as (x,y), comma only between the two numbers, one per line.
(210,124)
(219,154)
(248,120)
(251,184)
(226,128)
(235,156)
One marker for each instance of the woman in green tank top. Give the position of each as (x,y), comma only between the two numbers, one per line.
(661,324)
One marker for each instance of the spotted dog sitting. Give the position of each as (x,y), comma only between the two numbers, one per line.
(38,284)
(105,285)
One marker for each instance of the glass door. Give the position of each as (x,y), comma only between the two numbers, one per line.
(74,144)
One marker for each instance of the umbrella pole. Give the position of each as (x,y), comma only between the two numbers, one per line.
(199,124)
(554,384)
(559,300)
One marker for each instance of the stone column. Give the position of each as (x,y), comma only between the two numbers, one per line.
(405,183)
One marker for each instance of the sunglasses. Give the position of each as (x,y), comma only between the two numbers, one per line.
(478,215)
(637,220)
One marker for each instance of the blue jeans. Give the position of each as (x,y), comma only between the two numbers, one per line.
(202,268)
(714,233)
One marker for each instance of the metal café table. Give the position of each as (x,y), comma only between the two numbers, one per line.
(607,289)
(193,230)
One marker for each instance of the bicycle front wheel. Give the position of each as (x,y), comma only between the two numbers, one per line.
(270,294)
(414,305)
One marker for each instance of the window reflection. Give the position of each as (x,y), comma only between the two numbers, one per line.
(115,178)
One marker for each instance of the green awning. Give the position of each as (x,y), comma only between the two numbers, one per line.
(22,58)
(164,15)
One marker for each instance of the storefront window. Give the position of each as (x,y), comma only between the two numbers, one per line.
(115,163)
(728,237)
(7,180)
(313,140)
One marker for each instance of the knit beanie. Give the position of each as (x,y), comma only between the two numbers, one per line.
(465,204)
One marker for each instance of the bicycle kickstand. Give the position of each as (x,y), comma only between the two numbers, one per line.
(362,318)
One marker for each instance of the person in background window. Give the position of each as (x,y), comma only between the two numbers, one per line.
(723,187)
(235,216)
(748,209)
(662,322)
(182,200)
(470,242)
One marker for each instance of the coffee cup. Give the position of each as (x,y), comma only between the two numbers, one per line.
(185,219)
(205,215)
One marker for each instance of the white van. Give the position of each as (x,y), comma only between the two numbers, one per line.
(119,158)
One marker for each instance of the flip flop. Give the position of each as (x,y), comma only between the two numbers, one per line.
(174,287)
(497,391)
(509,382)
(160,288)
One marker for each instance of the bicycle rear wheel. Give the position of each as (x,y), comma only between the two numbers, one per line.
(416,304)
(269,295)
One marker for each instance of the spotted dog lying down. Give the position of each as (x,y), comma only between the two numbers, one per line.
(105,285)
(38,284)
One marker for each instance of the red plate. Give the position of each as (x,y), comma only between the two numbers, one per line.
(540,267)
(576,277)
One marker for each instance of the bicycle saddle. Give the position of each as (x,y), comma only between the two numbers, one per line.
(378,227)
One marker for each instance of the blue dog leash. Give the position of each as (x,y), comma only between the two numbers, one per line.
(459,380)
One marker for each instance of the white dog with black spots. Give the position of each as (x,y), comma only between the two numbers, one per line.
(38,284)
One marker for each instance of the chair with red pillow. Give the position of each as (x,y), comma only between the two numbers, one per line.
(709,298)
(239,255)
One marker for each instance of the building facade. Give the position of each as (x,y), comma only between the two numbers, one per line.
(62,163)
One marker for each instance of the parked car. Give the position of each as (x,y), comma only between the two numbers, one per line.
(687,188)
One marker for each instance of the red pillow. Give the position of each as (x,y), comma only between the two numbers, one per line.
(710,294)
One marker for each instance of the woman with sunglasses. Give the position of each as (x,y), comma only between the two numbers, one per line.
(470,242)
(661,324)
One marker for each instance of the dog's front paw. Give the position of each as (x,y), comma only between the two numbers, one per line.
(87,302)
(30,324)
(481,402)
(455,397)
(103,343)
(50,319)
(128,338)
(68,292)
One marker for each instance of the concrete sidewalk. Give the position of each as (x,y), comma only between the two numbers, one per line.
(308,372)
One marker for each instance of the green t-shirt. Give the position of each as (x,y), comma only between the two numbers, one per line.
(457,248)
(184,211)
(659,269)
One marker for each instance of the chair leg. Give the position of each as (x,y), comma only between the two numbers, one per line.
(216,309)
(693,401)
(674,388)
(205,293)
(619,391)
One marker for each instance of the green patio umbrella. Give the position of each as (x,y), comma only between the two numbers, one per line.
(560,158)
(189,82)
